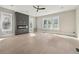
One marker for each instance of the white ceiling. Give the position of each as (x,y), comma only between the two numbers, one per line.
(50,9)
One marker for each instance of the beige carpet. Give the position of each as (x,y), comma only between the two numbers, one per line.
(38,43)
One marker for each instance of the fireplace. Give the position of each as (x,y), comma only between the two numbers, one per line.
(22,23)
(21,29)
(22,26)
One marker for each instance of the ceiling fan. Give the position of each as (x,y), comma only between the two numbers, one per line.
(38,8)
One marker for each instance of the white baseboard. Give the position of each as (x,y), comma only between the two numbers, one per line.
(64,36)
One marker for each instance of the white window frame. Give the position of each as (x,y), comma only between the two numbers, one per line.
(56,17)
(43,23)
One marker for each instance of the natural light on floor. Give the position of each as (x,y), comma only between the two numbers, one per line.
(32,34)
(2,39)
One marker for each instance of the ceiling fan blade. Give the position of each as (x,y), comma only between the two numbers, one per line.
(37,10)
(35,7)
(42,8)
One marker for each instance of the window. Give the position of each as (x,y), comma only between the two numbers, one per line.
(56,22)
(45,23)
(51,23)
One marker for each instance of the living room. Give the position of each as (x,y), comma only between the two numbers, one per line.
(39,29)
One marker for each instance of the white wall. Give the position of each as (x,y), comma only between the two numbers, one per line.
(77,21)
(67,23)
